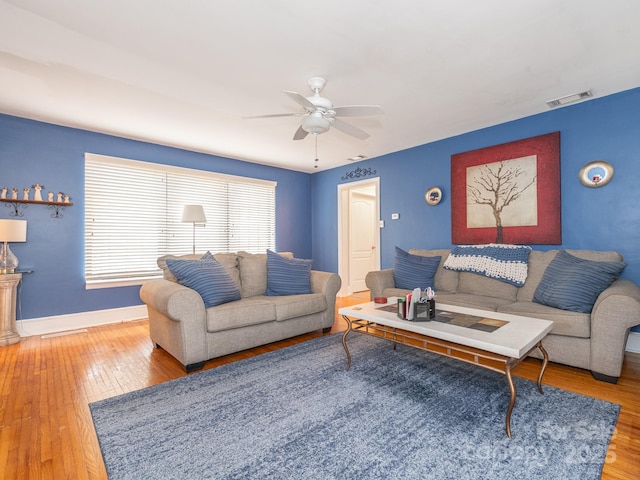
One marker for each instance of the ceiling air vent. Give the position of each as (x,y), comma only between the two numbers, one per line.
(575,97)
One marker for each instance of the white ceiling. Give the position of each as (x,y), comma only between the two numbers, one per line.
(185,73)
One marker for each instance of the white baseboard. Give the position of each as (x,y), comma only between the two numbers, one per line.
(633,343)
(73,321)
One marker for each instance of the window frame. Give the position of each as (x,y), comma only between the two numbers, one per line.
(165,230)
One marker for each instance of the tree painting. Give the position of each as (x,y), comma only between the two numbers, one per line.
(502,194)
(507,193)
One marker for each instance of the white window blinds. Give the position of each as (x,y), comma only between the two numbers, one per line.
(133,216)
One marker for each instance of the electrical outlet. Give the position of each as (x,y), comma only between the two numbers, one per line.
(395,216)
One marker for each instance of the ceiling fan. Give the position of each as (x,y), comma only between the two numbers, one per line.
(319,113)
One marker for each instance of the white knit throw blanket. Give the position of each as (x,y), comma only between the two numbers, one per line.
(507,263)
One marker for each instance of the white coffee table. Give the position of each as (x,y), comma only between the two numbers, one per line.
(499,350)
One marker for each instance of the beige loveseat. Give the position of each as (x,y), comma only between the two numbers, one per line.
(180,324)
(594,341)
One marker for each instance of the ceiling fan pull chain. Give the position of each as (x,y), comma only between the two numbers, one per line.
(316,165)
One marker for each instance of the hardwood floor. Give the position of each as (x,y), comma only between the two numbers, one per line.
(46,385)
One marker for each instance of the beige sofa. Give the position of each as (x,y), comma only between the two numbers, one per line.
(180,324)
(594,341)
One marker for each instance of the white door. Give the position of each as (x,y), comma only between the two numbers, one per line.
(358,233)
(362,237)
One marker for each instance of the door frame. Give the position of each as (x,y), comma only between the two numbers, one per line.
(343,230)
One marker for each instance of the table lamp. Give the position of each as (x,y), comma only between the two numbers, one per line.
(193,214)
(11,231)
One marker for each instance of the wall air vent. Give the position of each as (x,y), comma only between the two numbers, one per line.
(575,97)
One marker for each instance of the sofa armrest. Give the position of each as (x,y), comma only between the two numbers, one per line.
(328,284)
(177,321)
(616,310)
(172,299)
(378,280)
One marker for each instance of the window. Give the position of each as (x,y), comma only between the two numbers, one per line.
(133,216)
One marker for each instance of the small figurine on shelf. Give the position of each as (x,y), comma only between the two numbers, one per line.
(26,191)
(14,193)
(59,200)
(37,195)
(50,197)
(4,192)
(66,198)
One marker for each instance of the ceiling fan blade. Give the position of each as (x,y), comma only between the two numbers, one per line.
(350,129)
(357,110)
(299,99)
(273,115)
(300,133)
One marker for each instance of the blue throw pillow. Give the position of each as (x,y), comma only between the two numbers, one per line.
(207,256)
(207,277)
(574,284)
(414,271)
(287,276)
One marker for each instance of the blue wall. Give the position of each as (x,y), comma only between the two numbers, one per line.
(34,152)
(606,218)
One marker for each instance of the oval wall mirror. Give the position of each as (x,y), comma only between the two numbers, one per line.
(433,195)
(596,174)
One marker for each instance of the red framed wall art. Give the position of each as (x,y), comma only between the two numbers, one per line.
(508,193)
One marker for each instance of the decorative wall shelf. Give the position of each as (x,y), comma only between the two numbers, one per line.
(17,204)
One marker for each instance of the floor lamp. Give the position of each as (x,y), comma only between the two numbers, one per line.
(10,231)
(194,214)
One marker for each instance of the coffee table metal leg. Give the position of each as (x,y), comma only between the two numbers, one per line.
(512,400)
(512,387)
(344,340)
(545,360)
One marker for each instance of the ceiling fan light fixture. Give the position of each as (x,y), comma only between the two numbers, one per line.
(319,114)
(315,123)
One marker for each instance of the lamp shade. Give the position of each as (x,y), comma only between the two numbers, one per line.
(13,230)
(193,213)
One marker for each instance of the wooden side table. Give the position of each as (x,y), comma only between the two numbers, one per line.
(8,288)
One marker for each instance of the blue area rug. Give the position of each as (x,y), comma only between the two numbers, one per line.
(296,413)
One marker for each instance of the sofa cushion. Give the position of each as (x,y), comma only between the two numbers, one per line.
(228,260)
(207,277)
(507,263)
(481,302)
(287,276)
(571,324)
(253,272)
(596,255)
(242,313)
(445,280)
(574,284)
(395,292)
(475,284)
(292,306)
(162,263)
(538,262)
(414,271)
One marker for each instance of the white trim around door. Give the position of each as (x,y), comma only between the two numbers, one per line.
(371,187)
